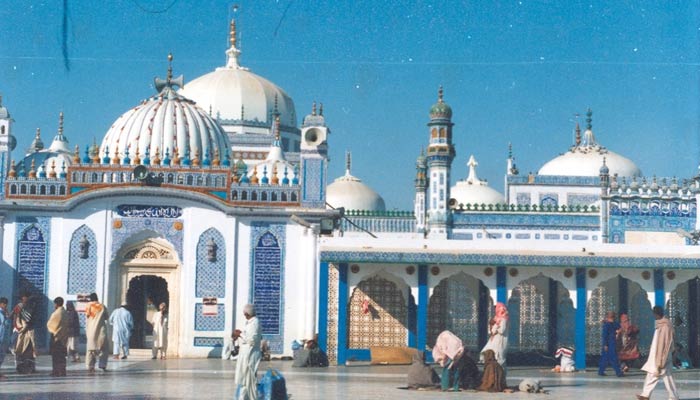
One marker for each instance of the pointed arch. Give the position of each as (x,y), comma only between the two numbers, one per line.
(210,280)
(82,261)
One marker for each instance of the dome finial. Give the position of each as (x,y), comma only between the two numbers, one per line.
(578,134)
(60,123)
(320,109)
(313,109)
(472,178)
(232,33)
(277,128)
(510,150)
(275,111)
(348,162)
(440,93)
(589,119)
(170,67)
(233,53)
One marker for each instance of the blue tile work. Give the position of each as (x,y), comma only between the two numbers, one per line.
(523,198)
(618,225)
(82,272)
(209,322)
(549,200)
(33,240)
(164,227)
(513,260)
(3,173)
(210,278)
(313,185)
(267,280)
(200,341)
(525,221)
(555,180)
(582,199)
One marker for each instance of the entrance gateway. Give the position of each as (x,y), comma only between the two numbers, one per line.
(149,274)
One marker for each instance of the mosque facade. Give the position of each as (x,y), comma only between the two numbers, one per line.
(210,195)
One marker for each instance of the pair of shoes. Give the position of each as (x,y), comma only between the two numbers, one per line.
(123,357)
(640,397)
(153,358)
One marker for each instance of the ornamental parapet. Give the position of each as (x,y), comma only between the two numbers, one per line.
(653,188)
(525,208)
(378,221)
(217,181)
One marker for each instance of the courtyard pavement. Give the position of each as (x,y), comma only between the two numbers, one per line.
(209,379)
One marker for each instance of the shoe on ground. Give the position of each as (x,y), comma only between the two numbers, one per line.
(123,357)
(640,397)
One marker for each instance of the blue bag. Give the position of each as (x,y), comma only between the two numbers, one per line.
(272,386)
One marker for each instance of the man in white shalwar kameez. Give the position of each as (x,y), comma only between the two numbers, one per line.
(249,356)
(660,363)
(122,323)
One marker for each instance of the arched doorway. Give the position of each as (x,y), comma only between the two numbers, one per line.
(143,295)
(149,273)
(683,309)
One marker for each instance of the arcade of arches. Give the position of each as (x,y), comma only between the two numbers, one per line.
(382,311)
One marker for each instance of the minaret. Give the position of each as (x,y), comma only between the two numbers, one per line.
(314,160)
(421,186)
(604,200)
(7,144)
(439,158)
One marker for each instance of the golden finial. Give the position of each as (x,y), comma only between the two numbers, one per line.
(234,173)
(156,159)
(195,161)
(137,159)
(440,94)
(76,155)
(115,159)
(275,180)
(216,161)
(232,33)
(277,128)
(13,170)
(52,173)
(32,170)
(176,156)
(254,179)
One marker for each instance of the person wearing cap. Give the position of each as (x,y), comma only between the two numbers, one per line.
(249,355)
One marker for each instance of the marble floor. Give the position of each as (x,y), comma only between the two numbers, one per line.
(209,379)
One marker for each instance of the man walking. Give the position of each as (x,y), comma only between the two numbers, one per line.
(5,328)
(96,331)
(58,328)
(249,356)
(659,364)
(609,354)
(122,324)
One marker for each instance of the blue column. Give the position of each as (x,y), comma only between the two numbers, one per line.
(501,290)
(343,313)
(659,292)
(412,316)
(580,335)
(323,307)
(422,313)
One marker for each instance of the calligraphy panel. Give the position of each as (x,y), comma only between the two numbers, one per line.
(144,211)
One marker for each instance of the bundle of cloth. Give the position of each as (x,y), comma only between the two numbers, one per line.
(494,379)
(421,375)
(567,360)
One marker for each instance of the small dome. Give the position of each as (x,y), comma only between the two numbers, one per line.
(440,110)
(473,190)
(164,123)
(4,114)
(349,192)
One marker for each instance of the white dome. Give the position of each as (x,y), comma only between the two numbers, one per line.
(349,192)
(163,123)
(236,96)
(473,190)
(585,159)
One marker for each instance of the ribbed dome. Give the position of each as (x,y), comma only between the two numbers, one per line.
(349,192)
(163,123)
(440,110)
(237,96)
(586,157)
(473,190)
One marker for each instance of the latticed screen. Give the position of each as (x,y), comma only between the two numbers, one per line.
(384,322)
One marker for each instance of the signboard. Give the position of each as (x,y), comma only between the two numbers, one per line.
(209,306)
(81,302)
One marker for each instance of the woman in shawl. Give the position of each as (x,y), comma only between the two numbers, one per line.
(494,379)
(498,331)
(24,327)
(627,343)
(421,375)
(447,352)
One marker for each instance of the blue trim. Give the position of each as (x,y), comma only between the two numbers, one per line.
(422,312)
(358,354)
(513,260)
(323,307)
(580,334)
(343,313)
(659,292)
(501,290)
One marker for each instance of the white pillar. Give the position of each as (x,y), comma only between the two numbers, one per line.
(652,298)
(573,297)
(310,295)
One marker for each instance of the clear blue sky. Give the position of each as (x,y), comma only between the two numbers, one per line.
(513,71)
